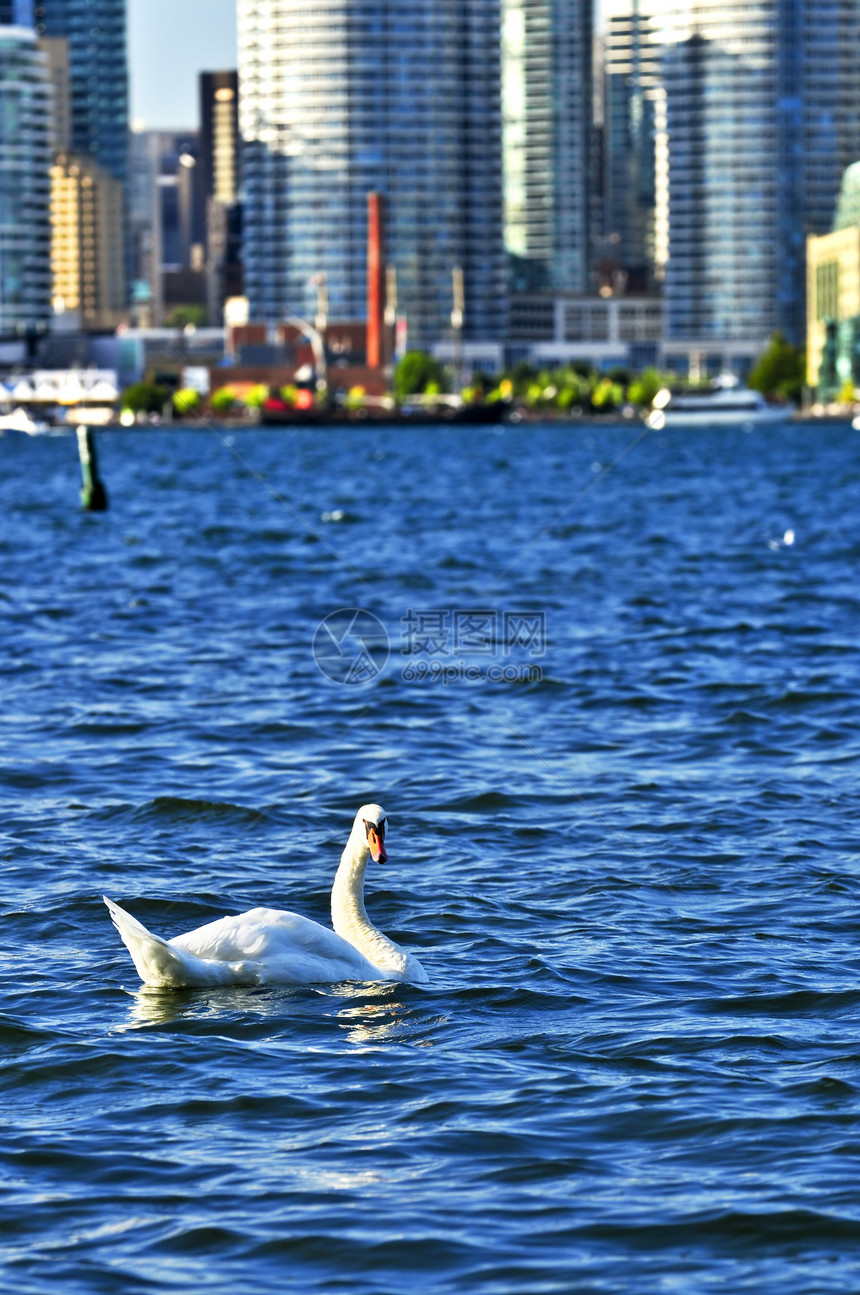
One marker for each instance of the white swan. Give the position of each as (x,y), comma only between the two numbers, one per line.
(266,946)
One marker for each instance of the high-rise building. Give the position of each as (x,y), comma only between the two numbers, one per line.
(56,50)
(547,91)
(635,184)
(87,251)
(87,225)
(167,225)
(762,117)
(143,213)
(218,166)
(96,32)
(17,13)
(219,135)
(349,97)
(25,160)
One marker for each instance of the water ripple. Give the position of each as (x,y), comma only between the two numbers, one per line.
(632,878)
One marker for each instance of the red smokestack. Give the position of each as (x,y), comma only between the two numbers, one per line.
(375,279)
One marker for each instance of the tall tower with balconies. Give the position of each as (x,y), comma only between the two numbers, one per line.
(25,192)
(96,32)
(762,117)
(347,97)
(547,97)
(16,12)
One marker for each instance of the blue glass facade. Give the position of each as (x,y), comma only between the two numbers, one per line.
(96,32)
(548,123)
(763,116)
(25,160)
(18,13)
(394,97)
(631,95)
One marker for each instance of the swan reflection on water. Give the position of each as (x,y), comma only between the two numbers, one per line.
(168,1006)
(369,1024)
(373,1013)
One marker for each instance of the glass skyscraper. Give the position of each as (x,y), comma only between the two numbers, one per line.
(548,119)
(400,97)
(634,179)
(17,12)
(762,117)
(25,159)
(96,32)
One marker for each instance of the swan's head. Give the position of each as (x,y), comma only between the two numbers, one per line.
(370,822)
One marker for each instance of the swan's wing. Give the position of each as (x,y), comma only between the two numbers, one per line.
(273,938)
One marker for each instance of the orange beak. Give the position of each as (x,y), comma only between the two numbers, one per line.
(377,844)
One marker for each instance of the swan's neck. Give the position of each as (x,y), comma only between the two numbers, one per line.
(348,914)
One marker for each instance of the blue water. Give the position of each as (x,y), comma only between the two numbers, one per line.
(613,717)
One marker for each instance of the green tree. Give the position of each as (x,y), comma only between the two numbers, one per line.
(643,389)
(567,397)
(522,376)
(607,395)
(223,399)
(186,400)
(182,316)
(414,372)
(145,398)
(780,371)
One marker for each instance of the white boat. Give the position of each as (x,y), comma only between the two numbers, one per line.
(20,421)
(725,403)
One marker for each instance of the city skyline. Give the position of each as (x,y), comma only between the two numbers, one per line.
(691,163)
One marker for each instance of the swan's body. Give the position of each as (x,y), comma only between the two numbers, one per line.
(269,946)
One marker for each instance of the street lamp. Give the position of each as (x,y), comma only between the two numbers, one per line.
(317,346)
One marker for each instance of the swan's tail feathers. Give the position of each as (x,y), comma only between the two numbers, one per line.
(157,963)
(162,965)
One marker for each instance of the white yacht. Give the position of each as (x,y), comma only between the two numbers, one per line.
(725,403)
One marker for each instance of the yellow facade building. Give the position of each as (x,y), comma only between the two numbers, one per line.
(87,252)
(833,310)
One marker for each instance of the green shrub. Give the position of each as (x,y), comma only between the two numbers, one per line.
(256,396)
(414,373)
(145,398)
(223,399)
(186,400)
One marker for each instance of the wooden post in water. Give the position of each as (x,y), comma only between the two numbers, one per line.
(93,493)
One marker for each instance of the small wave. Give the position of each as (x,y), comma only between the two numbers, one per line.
(792,1003)
(17,1036)
(746,1229)
(480,803)
(180,809)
